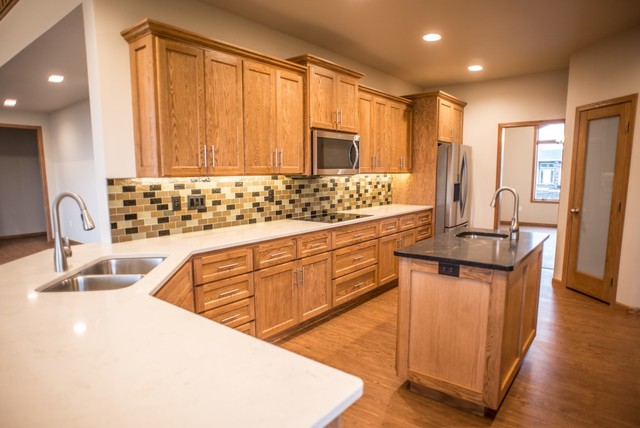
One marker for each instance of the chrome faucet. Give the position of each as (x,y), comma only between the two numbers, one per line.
(63,250)
(514,229)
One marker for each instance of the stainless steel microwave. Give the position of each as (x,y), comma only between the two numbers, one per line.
(335,153)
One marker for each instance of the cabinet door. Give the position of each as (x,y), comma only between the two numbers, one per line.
(181,102)
(290,122)
(225,140)
(400,137)
(445,114)
(365,123)
(322,97)
(276,299)
(347,103)
(314,286)
(382,153)
(259,83)
(179,289)
(387,264)
(457,114)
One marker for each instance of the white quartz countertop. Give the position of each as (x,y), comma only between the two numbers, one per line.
(124,358)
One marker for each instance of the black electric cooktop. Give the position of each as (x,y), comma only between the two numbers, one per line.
(331,217)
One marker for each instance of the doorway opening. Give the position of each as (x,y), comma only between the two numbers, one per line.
(23,183)
(530,160)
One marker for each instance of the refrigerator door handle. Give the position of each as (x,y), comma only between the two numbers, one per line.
(464,184)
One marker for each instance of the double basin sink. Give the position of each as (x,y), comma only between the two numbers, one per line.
(109,274)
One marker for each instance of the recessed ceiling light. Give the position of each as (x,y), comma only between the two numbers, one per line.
(475,68)
(10,102)
(56,78)
(431,37)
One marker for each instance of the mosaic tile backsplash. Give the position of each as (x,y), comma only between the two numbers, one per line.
(141,208)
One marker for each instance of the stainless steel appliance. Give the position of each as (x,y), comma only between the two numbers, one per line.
(335,153)
(453,186)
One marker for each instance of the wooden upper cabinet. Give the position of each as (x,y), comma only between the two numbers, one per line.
(450,117)
(333,94)
(274,120)
(385,128)
(224,120)
(203,107)
(259,114)
(290,130)
(181,102)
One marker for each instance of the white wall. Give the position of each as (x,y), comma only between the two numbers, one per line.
(22,208)
(73,161)
(517,172)
(519,99)
(606,70)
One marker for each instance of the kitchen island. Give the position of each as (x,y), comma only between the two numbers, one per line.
(467,314)
(125,358)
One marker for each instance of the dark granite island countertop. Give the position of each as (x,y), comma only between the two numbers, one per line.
(498,254)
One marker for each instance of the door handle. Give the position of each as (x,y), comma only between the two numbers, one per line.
(575,210)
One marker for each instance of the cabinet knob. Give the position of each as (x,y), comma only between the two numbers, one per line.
(575,210)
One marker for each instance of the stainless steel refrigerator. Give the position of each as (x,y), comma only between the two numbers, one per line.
(453,186)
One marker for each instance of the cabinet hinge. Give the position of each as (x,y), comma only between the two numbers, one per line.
(628,126)
(611,282)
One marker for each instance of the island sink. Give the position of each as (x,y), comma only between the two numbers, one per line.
(473,234)
(109,274)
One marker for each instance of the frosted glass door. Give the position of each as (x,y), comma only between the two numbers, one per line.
(600,165)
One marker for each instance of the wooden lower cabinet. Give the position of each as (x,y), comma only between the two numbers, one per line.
(276,299)
(387,261)
(291,293)
(179,289)
(355,284)
(234,314)
(466,336)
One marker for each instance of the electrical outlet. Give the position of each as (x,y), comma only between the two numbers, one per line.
(195,201)
(271,196)
(175,203)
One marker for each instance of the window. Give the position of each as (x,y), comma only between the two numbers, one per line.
(547,169)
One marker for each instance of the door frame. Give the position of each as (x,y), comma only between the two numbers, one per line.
(624,185)
(43,172)
(500,156)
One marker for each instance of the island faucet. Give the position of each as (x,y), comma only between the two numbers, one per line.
(63,250)
(514,229)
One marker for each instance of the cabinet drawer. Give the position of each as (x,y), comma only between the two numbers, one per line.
(424,218)
(222,265)
(408,221)
(274,252)
(314,243)
(219,293)
(389,226)
(248,328)
(354,234)
(354,284)
(234,314)
(423,232)
(350,259)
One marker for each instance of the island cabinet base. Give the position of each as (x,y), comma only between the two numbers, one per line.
(466,336)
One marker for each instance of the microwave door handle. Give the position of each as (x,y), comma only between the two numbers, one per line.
(354,146)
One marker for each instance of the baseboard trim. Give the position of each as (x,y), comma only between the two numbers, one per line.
(24,235)
(556,282)
(624,308)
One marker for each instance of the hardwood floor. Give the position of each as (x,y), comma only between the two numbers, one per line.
(16,248)
(582,370)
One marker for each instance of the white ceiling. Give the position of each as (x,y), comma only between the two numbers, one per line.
(508,37)
(60,50)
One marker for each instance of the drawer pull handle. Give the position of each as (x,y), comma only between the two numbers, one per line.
(356,258)
(231,318)
(228,293)
(317,244)
(229,266)
(358,285)
(280,254)
(358,235)
(389,227)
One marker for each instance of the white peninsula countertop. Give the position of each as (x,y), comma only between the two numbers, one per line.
(123,358)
